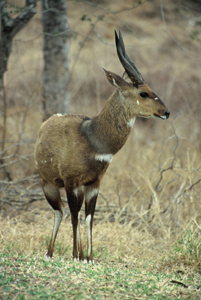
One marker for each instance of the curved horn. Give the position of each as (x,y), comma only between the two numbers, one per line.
(127,63)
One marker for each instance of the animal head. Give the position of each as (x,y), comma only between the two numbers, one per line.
(140,99)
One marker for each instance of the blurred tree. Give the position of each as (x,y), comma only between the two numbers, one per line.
(56,57)
(10,27)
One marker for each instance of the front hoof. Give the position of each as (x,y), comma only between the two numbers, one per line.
(49,255)
(90,261)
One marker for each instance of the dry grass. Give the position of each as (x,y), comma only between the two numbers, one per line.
(118,241)
(150,196)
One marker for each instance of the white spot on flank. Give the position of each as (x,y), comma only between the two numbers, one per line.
(58,115)
(104,157)
(88,226)
(156,98)
(138,102)
(90,193)
(131,122)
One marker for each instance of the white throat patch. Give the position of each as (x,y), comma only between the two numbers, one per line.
(131,122)
(104,157)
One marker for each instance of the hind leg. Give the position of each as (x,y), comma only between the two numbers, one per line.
(75,200)
(53,197)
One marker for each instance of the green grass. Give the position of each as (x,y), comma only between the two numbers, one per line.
(189,246)
(38,277)
(187,249)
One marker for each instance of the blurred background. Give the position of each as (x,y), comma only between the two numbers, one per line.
(152,189)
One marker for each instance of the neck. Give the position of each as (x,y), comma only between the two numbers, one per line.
(110,129)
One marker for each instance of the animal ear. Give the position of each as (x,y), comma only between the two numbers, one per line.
(115,80)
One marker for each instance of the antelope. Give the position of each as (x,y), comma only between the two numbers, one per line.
(74,151)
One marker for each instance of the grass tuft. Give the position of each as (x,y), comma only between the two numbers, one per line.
(187,249)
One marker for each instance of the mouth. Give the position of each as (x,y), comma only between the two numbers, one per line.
(164,117)
(160,117)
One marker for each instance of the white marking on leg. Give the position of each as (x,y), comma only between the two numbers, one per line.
(51,191)
(57,221)
(90,193)
(88,227)
(77,191)
(104,157)
(131,122)
(78,234)
(84,261)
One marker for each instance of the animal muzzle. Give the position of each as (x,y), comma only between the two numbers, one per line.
(164,116)
(167,114)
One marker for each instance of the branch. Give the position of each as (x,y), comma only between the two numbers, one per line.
(166,31)
(13,26)
(162,171)
(188,188)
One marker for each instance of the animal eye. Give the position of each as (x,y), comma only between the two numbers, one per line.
(144,95)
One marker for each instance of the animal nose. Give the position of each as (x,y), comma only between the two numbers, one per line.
(167,114)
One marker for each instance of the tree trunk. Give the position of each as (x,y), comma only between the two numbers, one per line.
(56,57)
(10,27)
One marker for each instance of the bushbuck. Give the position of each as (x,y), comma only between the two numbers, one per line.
(74,151)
